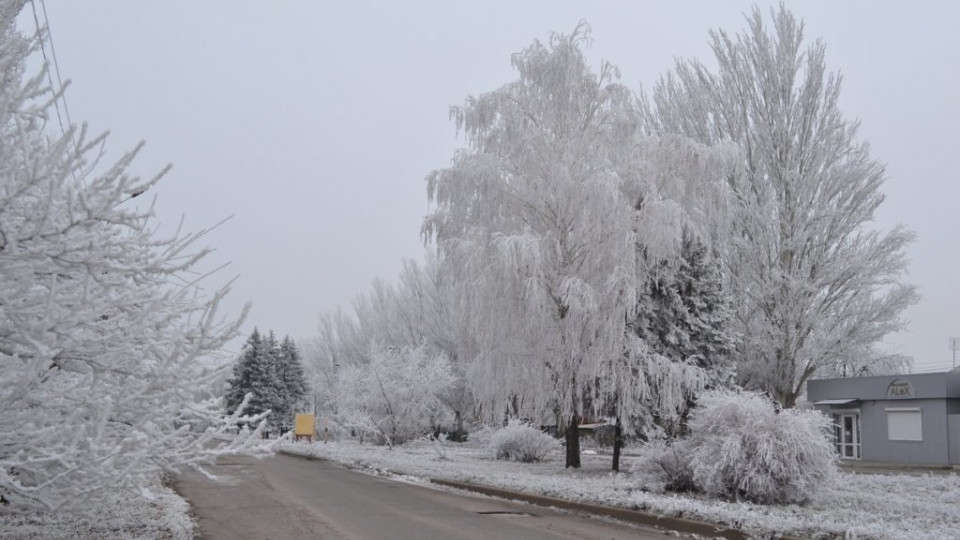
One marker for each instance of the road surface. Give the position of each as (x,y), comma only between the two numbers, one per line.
(286,497)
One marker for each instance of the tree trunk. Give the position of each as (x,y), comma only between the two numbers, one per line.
(617,444)
(458,425)
(573,443)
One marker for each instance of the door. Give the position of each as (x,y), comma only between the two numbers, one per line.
(847,434)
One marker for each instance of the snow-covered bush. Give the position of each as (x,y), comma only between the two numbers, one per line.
(667,467)
(520,441)
(481,435)
(440,444)
(742,448)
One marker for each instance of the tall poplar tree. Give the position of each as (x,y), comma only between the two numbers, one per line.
(817,285)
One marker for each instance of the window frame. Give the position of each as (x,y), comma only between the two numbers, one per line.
(906,432)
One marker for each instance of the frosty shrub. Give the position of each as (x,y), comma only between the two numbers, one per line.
(668,467)
(481,436)
(742,448)
(520,441)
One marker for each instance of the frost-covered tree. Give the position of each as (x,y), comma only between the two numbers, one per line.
(818,286)
(104,334)
(741,447)
(293,377)
(685,313)
(396,395)
(419,310)
(254,373)
(539,221)
(272,374)
(444,328)
(683,322)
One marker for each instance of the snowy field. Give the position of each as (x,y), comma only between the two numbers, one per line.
(855,506)
(125,516)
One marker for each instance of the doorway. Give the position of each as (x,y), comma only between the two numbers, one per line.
(846,432)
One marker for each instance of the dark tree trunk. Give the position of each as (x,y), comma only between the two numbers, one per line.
(617,444)
(573,443)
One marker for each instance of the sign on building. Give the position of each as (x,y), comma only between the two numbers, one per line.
(900,389)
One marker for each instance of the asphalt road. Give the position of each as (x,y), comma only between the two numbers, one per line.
(286,497)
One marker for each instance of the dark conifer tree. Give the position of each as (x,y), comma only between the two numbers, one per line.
(292,374)
(272,372)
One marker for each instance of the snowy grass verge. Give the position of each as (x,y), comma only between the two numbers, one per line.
(853,506)
(161,514)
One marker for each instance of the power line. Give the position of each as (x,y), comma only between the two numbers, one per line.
(932,367)
(59,93)
(56,65)
(46,61)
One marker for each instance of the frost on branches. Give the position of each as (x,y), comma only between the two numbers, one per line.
(521,441)
(820,288)
(420,311)
(102,328)
(395,395)
(540,222)
(741,447)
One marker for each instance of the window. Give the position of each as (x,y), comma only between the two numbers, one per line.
(904,425)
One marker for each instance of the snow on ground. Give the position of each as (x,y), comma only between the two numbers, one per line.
(123,516)
(855,506)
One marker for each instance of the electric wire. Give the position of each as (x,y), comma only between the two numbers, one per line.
(56,65)
(46,61)
(59,95)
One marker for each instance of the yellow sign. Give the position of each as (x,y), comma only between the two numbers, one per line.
(305,425)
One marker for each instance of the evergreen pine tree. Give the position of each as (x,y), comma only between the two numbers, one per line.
(272,371)
(273,390)
(685,314)
(255,372)
(292,375)
(709,312)
(243,378)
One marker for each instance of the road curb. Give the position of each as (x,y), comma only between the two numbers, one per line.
(682,525)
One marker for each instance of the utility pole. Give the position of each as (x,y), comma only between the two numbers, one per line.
(954,346)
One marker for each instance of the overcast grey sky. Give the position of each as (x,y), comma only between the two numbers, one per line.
(315,123)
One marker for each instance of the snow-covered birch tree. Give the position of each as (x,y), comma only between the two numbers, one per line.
(103,329)
(818,286)
(540,221)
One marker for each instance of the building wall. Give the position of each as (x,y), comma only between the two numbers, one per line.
(953,427)
(953,384)
(953,423)
(953,406)
(937,395)
(932,450)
